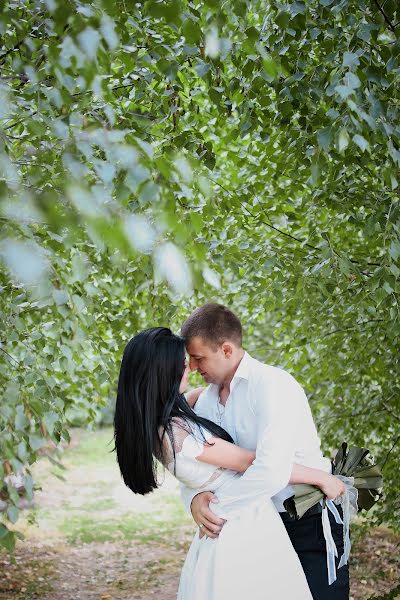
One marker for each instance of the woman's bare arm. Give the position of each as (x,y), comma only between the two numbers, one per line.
(229,456)
(193,396)
(331,486)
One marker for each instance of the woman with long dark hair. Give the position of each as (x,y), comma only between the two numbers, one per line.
(155,422)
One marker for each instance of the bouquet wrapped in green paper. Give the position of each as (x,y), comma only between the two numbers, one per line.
(348,462)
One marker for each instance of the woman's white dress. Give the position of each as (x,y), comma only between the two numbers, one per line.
(253,558)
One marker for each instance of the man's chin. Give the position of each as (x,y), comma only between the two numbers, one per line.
(207,378)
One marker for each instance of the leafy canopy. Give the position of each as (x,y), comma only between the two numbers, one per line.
(158,154)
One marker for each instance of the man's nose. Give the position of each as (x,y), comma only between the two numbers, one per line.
(192,364)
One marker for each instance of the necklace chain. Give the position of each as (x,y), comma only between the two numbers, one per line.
(220,414)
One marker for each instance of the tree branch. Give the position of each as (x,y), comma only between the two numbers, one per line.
(18,44)
(9,355)
(15,47)
(340,329)
(289,235)
(386,18)
(144,116)
(389,410)
(390,452)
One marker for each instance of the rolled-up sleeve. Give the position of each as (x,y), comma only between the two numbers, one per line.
(276,406)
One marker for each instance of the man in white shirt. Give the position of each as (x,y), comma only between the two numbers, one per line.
(264,409)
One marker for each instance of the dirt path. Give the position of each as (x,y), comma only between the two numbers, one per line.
(94,540)
(112,571)
(91,572)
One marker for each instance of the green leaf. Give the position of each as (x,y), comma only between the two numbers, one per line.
(297,8)
(12,514)
(324,137)
(8,541)
(192,31)
(394,250)
(89,40)
(344,91)
(343,139)
(50,419)
(271,68)
(28,483)
(202,68)
(361,142)
(350,59)
(60,296)
(211,277)
(170,10)
(315,173)
(21,421)
(36,442)
(351,81)
(3,530)
(25,260)
(108,31)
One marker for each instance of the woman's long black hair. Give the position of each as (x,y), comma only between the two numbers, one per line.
(148,397)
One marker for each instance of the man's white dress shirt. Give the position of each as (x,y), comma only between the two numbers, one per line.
(266,411)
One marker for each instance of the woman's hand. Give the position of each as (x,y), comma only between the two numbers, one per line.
(332,486)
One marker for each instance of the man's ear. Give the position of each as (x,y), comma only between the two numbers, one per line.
(227,349)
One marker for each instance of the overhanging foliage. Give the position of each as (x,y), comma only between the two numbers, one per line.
(155,155)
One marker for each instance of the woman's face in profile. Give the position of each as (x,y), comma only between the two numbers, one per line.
(184,380)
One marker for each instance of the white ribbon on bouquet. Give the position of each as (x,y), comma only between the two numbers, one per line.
(348,502)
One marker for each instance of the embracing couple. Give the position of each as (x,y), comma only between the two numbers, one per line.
(235,446)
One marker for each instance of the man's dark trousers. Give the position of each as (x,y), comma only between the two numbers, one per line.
(308,540)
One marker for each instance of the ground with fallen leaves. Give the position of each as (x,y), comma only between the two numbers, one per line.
(89,538)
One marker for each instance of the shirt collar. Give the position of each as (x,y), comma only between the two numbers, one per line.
(243,370)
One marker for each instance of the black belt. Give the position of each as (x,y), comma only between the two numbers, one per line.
(314,510)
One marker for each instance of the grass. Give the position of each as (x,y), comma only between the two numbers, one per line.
(143,528)
(85,529)
(95,449)
(93,504)
(101,504)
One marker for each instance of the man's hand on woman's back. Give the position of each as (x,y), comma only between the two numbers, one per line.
(208,523)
